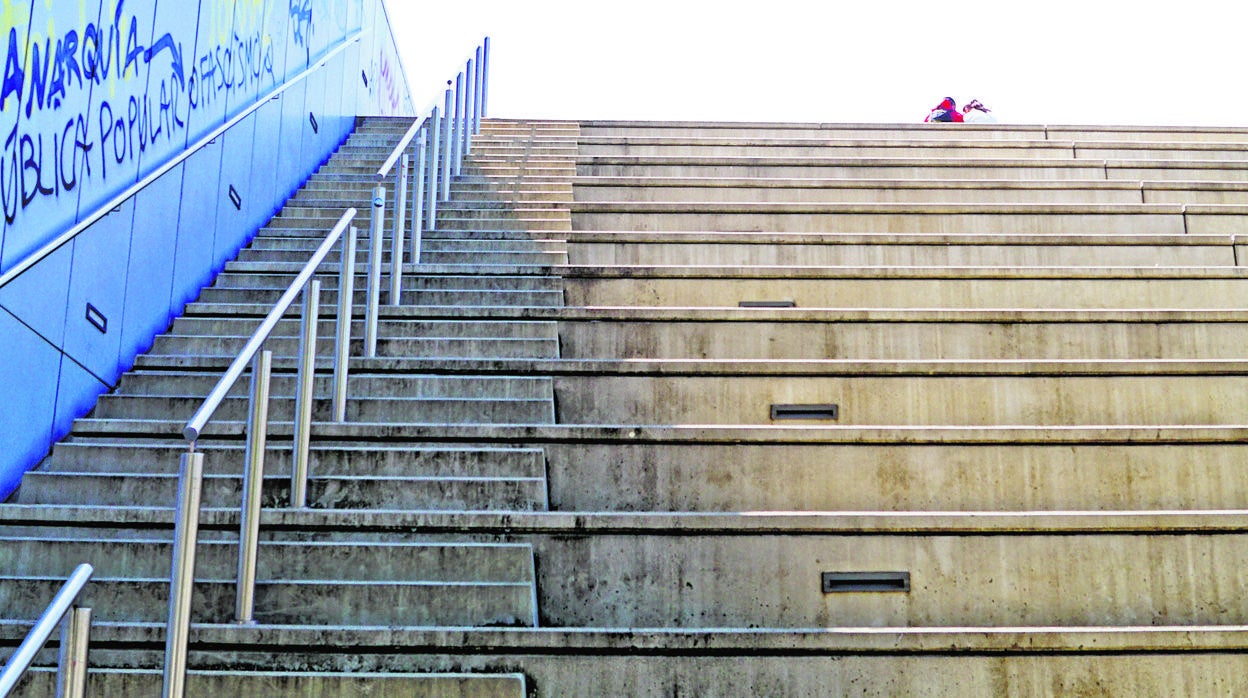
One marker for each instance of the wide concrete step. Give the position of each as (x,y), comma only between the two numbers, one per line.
(499,347)
(378,460)
(434,243)
(330,601)
(959,149)
(928,393)
(359,409)
(202,683)
(351,492)
(1015,219)
(807,339)
(438,297)
(749,250)
(913,168)
(833,287)
(625,189)
(463,329)
(480,256)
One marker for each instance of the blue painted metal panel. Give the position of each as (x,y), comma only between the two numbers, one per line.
(50,147)
(290,173)
(167,100)
(264,163)
(197,224)
(13,50)
(315,141)
(299,36)
(29,372)
(97,287)
(118,103)
(208,72)
(245,62)
(149,279)
(329,25)
(234,191)
(334,121)
(38,297)
(76,393)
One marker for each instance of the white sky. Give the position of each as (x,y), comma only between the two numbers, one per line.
(1052,62)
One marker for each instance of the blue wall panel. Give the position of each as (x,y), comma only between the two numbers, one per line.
(76,393)
(264,164)
(197,224)
(13,49)
(29,372)
(149,279)
(39,297)
(173,31)
(234,192)
(98,278)
(289,166)
(207,81)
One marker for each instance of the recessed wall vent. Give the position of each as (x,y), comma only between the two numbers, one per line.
(879,582)
(768,304)
(824,412)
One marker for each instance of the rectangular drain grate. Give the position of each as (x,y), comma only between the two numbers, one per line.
(831,412)
(767,304)
(841,582)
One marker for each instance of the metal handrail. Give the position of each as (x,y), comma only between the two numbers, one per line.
(195,426)
(61,605)
(405,141)
(64,238)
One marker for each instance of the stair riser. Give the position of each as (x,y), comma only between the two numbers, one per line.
(496,348)
(453,410)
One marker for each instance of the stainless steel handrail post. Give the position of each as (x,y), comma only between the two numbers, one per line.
(253,484)
(478,100)
(447,147)
(457,142)
(470,104)
(61,604)
(485,78)
(396,239)
(182,581)
(71,673)
(418,195)
(304,397)
(342,342)
(431,205)
(375,233)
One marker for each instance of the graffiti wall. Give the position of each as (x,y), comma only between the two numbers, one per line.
(96,95)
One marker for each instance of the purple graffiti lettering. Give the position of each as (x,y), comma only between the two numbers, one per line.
(14,76)
(9,177)
(38,75)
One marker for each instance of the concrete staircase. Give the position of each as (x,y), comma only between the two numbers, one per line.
(717,409)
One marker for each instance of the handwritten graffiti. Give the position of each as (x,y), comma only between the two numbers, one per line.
(301,24)
(148,95)
(390,91)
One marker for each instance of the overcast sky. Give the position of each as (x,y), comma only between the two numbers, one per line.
(1052,62)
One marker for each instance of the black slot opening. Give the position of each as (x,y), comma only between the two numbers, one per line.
(841,582)
(805,412)
(767,304)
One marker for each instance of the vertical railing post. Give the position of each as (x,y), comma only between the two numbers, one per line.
(182,580)
(431,206)
(485,79)
(478,98)
(304,395)
(71,674)
(342,340)
(458,131)
(418,195)
(253,482)
(376,232)
(447,148)
(470,102)
(396,239)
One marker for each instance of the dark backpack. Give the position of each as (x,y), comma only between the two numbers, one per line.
(940,115)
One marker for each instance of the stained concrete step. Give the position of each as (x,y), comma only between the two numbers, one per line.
(447,296)
(833,287)
(781,190)
(1016,219)
(932,394)
(359,409)
(960,149)
(201,683)
(368,460)
(410,492)
(500,347)
(331,601)
(917,168)
(984,340)
(748,250)
(481,256)
(426,281)
(432,243)
(464,329)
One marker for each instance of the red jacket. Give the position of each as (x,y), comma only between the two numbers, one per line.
(945,111)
